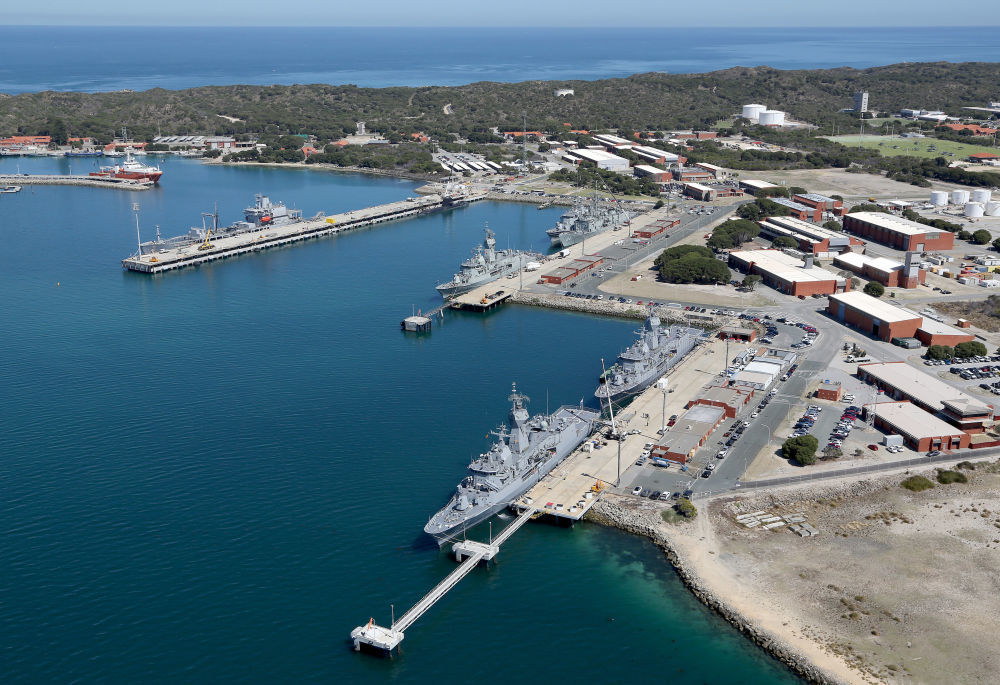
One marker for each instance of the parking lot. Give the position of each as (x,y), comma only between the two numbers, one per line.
(981,371)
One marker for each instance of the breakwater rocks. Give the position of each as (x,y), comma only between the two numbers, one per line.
(667,315)
(617,512)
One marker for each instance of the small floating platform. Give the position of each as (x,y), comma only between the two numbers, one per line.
(416,324)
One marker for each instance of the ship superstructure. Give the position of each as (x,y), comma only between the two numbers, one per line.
(526,449)
(586,218)
(656,351)
(485,265)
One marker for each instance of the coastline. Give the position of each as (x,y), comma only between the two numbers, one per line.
(387,173)
(614,511)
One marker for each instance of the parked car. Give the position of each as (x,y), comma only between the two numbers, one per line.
(636,490)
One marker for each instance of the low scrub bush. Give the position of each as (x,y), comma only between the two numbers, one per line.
(917,484)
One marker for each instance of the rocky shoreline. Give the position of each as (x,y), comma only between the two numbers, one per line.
(390,173)
(611,511)
(667,315)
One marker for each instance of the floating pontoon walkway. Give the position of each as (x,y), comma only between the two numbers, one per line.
(385,640)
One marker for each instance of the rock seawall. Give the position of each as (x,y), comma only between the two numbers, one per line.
(609,512)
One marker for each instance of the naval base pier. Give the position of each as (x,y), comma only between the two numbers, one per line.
(381,640)
(194,254)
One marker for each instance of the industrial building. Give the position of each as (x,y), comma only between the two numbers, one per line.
(861,101)
(813,239)
(821,202)
(731,399)
(788,274)
(873,316)
(737,333)
(603,160)
(900,381)
(689,433)
(933,332)
(612,141)
(655,155)
(656,228)
(692,174)
(716,171)
(572,270)
(830,390)
(919,430)
(699,192)
(752,186)
(888,272)
(799,210)
(899,233)
(652,173)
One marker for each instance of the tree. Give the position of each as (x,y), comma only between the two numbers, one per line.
(973,348)
(784,241)
(855,282)
(797,190)
(981,237)
(875,289)
(831,452)
(940,352)
(996,244)
(659,203)
(832,225)
(750,281)
(964,235)
(801,449)
(686,509)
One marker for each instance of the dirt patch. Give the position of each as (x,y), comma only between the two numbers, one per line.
(979,312)
(849,186)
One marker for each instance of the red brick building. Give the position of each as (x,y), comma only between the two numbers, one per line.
(788,274)
(820,202)
(888,272)
(731,399)
(873,316)
(899,233)
(799,210)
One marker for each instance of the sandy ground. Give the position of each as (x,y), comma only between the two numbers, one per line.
(849,186)
(897,587)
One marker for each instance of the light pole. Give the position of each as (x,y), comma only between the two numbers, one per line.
(662,384)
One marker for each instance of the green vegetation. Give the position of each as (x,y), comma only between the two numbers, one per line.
(916,484)
(940,352)
(927,221)
(750,282)
(973,348)
(732,233)
(685,508)
(784,241)
(691,264)
(831,452)
(928,148)
(801,449)
(586,174)
(981,237)
(946,477)
(965,465)
(832,225)
(875,289)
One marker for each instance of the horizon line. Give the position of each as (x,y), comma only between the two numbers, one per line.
(713,26)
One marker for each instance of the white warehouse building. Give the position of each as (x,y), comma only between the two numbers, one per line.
(603,160)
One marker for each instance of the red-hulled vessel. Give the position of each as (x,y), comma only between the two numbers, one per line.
(130,169)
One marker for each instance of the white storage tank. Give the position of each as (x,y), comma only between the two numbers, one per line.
(939,198)
(973,209)
(981,195)
(993,208)
(772,117)
(959,197)
(752,112)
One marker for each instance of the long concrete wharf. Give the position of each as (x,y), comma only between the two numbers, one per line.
(194,253)
(468,553)
(73,180)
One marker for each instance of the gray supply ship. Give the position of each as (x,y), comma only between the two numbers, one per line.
(656,351)
(586,219)
(263,214)
(486,264)
(525,451)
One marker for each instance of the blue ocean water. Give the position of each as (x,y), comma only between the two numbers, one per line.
(111,58)
(212,476)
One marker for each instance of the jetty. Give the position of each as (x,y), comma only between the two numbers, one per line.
(468,553)
(153,261)
(73,180)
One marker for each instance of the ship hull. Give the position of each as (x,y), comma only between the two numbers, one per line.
(153,176)
(569,440)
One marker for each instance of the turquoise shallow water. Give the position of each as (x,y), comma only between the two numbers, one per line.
(214,475)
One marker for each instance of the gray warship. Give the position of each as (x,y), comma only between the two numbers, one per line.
(585,219)
(656,351)
(525,451)
(486,264)
(261,215)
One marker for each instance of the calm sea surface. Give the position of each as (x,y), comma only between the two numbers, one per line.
(212,476)
(98,59)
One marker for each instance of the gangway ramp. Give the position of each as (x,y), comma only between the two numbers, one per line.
(469,553)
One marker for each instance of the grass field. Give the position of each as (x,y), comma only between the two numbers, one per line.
(892,146)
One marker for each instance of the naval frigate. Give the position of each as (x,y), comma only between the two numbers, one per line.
(525,451)
(486,264)
(585,219)
(655,352)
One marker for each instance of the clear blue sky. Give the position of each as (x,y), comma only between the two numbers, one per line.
(547,13)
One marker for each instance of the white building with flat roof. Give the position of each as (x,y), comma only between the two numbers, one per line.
(603,160)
